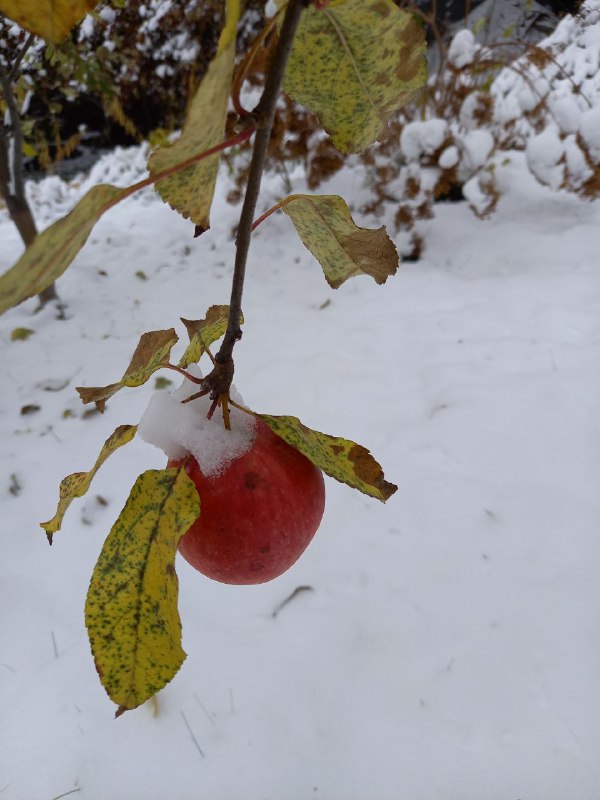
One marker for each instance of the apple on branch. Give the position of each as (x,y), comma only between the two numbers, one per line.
(261,500)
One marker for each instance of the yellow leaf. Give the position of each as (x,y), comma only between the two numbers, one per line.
(50,19)
(20,334)
(354,63)
(326,227)
(131,608)
(191,191)
(54,249)
(341,459)
(152,353)
(77,484)
(204,332)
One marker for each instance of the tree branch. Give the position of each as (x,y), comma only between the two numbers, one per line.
(14,70)
(16,168)
(12,182)
(264,114)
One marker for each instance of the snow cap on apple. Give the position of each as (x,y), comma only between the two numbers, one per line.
(180,429)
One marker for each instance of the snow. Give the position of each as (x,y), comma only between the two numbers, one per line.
(477,147)
(545,152)
(476,193)
(180,428)
(590,130)
(462,49)
(422,137)
(449,157)
(448,647)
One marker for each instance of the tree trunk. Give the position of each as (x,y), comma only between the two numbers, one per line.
(12,187)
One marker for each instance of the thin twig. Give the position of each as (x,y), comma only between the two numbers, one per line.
(298,590)
(14,71)
(191,732)
(264,114)
(207,713)
(66,794)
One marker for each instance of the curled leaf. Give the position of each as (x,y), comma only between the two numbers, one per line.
(131,608)
(77,484)
(326,227)
(341,459)
(203,332)
(354,63)
(151,354)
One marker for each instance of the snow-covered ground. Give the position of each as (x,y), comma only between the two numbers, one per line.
(448,647)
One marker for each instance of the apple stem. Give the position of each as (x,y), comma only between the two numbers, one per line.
(263,114)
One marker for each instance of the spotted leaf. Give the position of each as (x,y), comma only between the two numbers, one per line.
(341,459)
(52,250)
(151,354)
(191,191)
(354,63)
(77,484)
(326,227)
(131,608)
(50,19)
(203,332)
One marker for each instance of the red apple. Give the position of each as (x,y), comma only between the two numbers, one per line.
(258,516)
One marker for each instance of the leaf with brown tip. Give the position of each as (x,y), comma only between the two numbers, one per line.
(326,227)
(342,459)
(151,354)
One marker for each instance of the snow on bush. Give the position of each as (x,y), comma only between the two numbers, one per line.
(488,100)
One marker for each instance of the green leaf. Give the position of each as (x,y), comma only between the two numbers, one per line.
(77,484)
(326,227)
(204,332)
(51,252)
(50,19)
(191,191)
(151,354)
(131,608)
(354,63)
(341,459)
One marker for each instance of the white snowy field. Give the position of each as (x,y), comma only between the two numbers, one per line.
(448,648)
